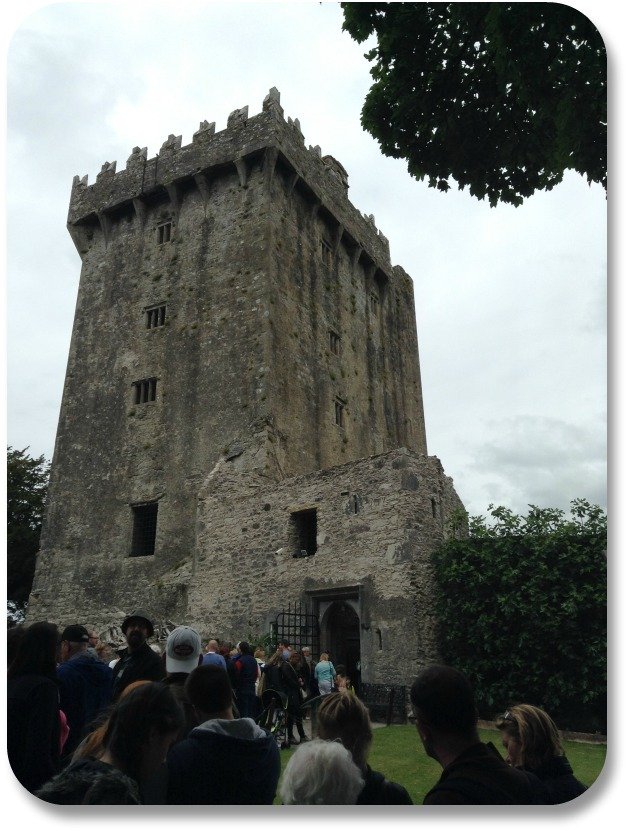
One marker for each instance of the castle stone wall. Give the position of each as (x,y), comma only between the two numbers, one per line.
(248,239)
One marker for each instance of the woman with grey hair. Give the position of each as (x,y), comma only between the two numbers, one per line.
(321,773)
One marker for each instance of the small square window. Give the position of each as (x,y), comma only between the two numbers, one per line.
(164,232)
(145,390)
(144,529)
(339,412)
(304,532)
(334,342)
(155,316)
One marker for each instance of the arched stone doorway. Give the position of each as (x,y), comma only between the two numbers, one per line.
(341,634)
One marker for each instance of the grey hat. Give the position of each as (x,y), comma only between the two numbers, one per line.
(141,614)
(183,649)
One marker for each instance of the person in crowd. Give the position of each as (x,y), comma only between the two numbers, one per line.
(314,692)
(321,773)
(445,713)
(93,643)
(212,656)
(84,684)
(244,672)
(273,672)
(343,682)
(141,728)
(303,671)
(343,716)
(137,660)
(33,720)
(14,638)
(293,684)
(183,655)
(224,761)
(92,745)
(325,674)
(533,743)
(260,657)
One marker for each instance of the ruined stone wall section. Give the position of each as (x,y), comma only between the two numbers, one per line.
(245,538)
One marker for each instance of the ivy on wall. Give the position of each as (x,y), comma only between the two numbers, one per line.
(522,610)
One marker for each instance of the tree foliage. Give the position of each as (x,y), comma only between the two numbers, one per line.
(501,97)
(522,611)
(27,483)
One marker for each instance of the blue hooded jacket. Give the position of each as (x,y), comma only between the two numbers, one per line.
(224,762)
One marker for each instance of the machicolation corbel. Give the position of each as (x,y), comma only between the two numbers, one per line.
(242,171)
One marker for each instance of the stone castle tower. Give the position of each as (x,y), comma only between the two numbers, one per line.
(242,421)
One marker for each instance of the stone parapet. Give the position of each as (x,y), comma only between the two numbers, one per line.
(323,177)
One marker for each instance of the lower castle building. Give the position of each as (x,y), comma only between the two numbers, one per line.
(241,445)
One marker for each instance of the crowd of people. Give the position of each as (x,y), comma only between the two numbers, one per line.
(185,727)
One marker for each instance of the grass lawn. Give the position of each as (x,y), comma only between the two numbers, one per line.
(399,755)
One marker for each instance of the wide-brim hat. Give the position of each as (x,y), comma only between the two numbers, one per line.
(141,614)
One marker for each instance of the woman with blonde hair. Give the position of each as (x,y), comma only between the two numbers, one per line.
(325,674)
(533,743)
(342,716)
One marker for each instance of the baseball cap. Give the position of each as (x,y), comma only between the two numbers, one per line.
(183,649)
(75,634)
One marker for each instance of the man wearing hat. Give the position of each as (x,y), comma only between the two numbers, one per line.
(84,684)
(137,661)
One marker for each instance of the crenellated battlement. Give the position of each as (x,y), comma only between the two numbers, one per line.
(246,137)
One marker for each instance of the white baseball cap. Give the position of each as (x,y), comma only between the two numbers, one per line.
(183,649)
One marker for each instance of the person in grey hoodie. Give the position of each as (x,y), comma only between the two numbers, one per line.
(224,761)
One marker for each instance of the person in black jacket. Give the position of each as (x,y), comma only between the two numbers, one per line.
(293,684)
(225,760)
(533,743)
(137,661)
(474,773)
(33,734)
(244,671)
(343,716)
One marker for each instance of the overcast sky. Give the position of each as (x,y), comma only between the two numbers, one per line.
(511,302)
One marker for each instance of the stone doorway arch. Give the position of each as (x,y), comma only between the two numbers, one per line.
(340,633)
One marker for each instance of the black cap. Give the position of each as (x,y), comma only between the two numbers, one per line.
(75,634)
(141,614)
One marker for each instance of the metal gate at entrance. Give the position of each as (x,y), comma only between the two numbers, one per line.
(299,626)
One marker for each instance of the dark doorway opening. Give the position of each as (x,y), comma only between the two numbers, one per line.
(343,639)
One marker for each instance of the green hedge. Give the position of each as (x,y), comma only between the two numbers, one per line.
(522,611)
